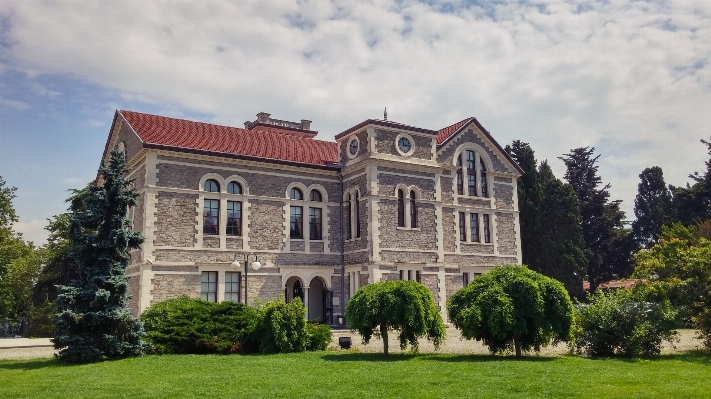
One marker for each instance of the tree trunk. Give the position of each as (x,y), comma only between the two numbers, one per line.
(384,336)
(517,345)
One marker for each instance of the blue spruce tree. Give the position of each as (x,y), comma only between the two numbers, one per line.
(94,323)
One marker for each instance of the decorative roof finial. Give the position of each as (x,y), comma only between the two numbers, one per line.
(385,114)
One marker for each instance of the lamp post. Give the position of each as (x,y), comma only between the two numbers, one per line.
(236,266)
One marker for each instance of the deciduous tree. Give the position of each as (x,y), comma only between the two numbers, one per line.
(403,306)
(512,308)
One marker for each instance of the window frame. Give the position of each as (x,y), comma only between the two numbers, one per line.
(462,226)
(400,208)
(234,184)
(213,182)
(228,280)
(413,209)
(238,224)
(299,223)
(487,228)
(205,295)
(315,225)
(216,216)
(474,235)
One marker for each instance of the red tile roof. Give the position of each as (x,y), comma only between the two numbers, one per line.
(170,133)
(443,134)
(629,283)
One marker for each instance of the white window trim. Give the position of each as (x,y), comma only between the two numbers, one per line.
(478,151)
(306,203)
(467,226)
(406,200)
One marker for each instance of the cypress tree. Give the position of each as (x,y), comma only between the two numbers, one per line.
(652,206)
(692,204)
(94,322)
(607,242)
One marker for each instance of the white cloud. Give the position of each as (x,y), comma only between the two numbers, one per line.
(631,78)
(32,230)
(14,104)
(73,181)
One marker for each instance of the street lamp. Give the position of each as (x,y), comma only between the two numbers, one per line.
(255,265)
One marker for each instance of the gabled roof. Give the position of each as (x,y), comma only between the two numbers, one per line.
(161,132)
(443,135)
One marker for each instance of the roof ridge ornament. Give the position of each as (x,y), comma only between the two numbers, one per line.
(385,114)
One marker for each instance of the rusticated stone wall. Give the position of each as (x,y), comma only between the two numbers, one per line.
(470,136)
(477,248)
(411,256)
(176,219)
(210,241)
(503,197)
(264,288)
(167,286)
(505,233)
(424,237)
(385,144)
(266,224)
(453,283)
(388,182)
(449,232)
(478,260)
(431,282)
(134,290)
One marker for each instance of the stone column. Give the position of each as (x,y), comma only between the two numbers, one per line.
(306,301)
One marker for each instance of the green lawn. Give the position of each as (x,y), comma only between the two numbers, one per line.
(358,375)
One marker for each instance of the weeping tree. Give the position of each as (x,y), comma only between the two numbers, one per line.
(93,322)
(404,306)
(513,308)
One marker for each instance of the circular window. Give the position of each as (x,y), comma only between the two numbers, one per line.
(353,146)
(405,145)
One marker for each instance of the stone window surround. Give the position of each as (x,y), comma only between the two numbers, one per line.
(478,151)
(352,192)
(418,196)
(348,147)
(412,145)
(223,197)
(306,203)
(467,226)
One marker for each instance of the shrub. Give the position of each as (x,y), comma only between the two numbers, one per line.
(404,306)
(319,336)
(188,325)
(618,322)
(281,327)
(512,307)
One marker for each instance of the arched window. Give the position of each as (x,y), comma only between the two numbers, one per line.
(296,194)
(471,173)
(400,208)
(357,215)
(460,176)
(234,188)
(348,217)
(211,186)
(413,210)
(484,191)
(316,196)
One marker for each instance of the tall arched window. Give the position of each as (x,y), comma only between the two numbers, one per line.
(460,176)
(482,170)
(357,215)
(471,173)
(211,186)
(400,208)
(413,210)
(296,194)
(348,217)
(234,188)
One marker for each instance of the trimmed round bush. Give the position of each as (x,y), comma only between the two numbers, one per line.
(282,327)
(319,336)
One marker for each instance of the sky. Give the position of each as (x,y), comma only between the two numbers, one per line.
(630,78)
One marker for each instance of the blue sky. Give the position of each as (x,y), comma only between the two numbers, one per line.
(631,78)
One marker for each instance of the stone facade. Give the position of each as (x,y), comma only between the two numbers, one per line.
(177,254)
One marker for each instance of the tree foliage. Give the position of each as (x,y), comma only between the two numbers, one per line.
(282,327)
(609,245)
(551,233)
(622,323)
(403,306)
(513,308)
(678,269)
(652,206)
(93,322)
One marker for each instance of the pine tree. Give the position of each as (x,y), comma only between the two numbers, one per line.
(652,206)
(607,242)
(692,204)
(93,322)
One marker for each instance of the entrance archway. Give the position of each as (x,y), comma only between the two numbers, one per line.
(317,288)
(294,288)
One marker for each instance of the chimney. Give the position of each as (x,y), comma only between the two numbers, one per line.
(263,117)
(306,124)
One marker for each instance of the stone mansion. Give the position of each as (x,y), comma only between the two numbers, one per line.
(386,201)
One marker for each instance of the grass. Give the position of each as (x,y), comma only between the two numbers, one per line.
(358,375)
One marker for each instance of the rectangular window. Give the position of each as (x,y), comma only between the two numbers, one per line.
(417,276)
(315,224)
(462,227)
(484,192)
(465,279)
(234,218)
(409,274)
(357,216)
(297,219)
(487,236)
(474,224)
(232,280)
(460,182)
(348,218)
(471,173)
(211,217)
(401,274)
(472,184)
(208,286)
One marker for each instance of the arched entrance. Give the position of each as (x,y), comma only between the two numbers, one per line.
(317,298)
(294,288)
